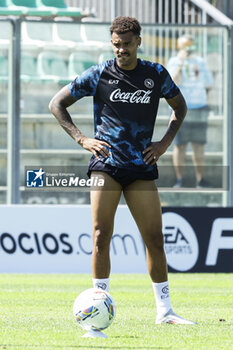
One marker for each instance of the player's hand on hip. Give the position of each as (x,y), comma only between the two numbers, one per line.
(97,147)
(153,152)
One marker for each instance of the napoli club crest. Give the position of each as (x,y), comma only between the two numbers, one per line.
(149,83)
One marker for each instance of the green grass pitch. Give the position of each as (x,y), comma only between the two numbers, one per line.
(36,313)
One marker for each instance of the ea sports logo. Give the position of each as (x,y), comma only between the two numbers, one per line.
(180,242)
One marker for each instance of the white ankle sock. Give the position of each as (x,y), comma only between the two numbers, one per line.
(162,298)
(101,283)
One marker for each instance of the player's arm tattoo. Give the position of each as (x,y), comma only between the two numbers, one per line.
(58,107)
(179,110)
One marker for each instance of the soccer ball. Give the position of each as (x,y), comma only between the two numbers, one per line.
(94,309)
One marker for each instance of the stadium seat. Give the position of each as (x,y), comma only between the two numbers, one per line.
(96,32)
(30,8)
(5,34)
(10,10)
(52,68)
(37,35)
(61,8)
(28,68)
(78,63)
(69,33)
(3,69)
(96,36)
(74,36)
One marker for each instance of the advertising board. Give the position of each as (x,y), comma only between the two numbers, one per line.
(46,239)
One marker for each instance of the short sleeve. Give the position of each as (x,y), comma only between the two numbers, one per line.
(86,83)
(168,88)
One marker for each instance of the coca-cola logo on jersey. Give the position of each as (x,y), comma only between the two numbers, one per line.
(139,96)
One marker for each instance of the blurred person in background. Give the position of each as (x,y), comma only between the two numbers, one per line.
(191,73)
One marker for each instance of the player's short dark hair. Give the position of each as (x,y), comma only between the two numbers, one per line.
(122,25)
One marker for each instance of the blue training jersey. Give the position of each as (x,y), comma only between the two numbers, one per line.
(125,107)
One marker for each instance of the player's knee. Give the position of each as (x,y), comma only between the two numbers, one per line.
(156,242)
(101,240)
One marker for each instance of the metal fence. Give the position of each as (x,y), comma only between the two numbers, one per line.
(19,147)
(189,12)
(154,11)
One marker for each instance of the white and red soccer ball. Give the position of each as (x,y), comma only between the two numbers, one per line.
(94,309)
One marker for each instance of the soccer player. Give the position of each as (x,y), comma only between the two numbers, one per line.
(126,94)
